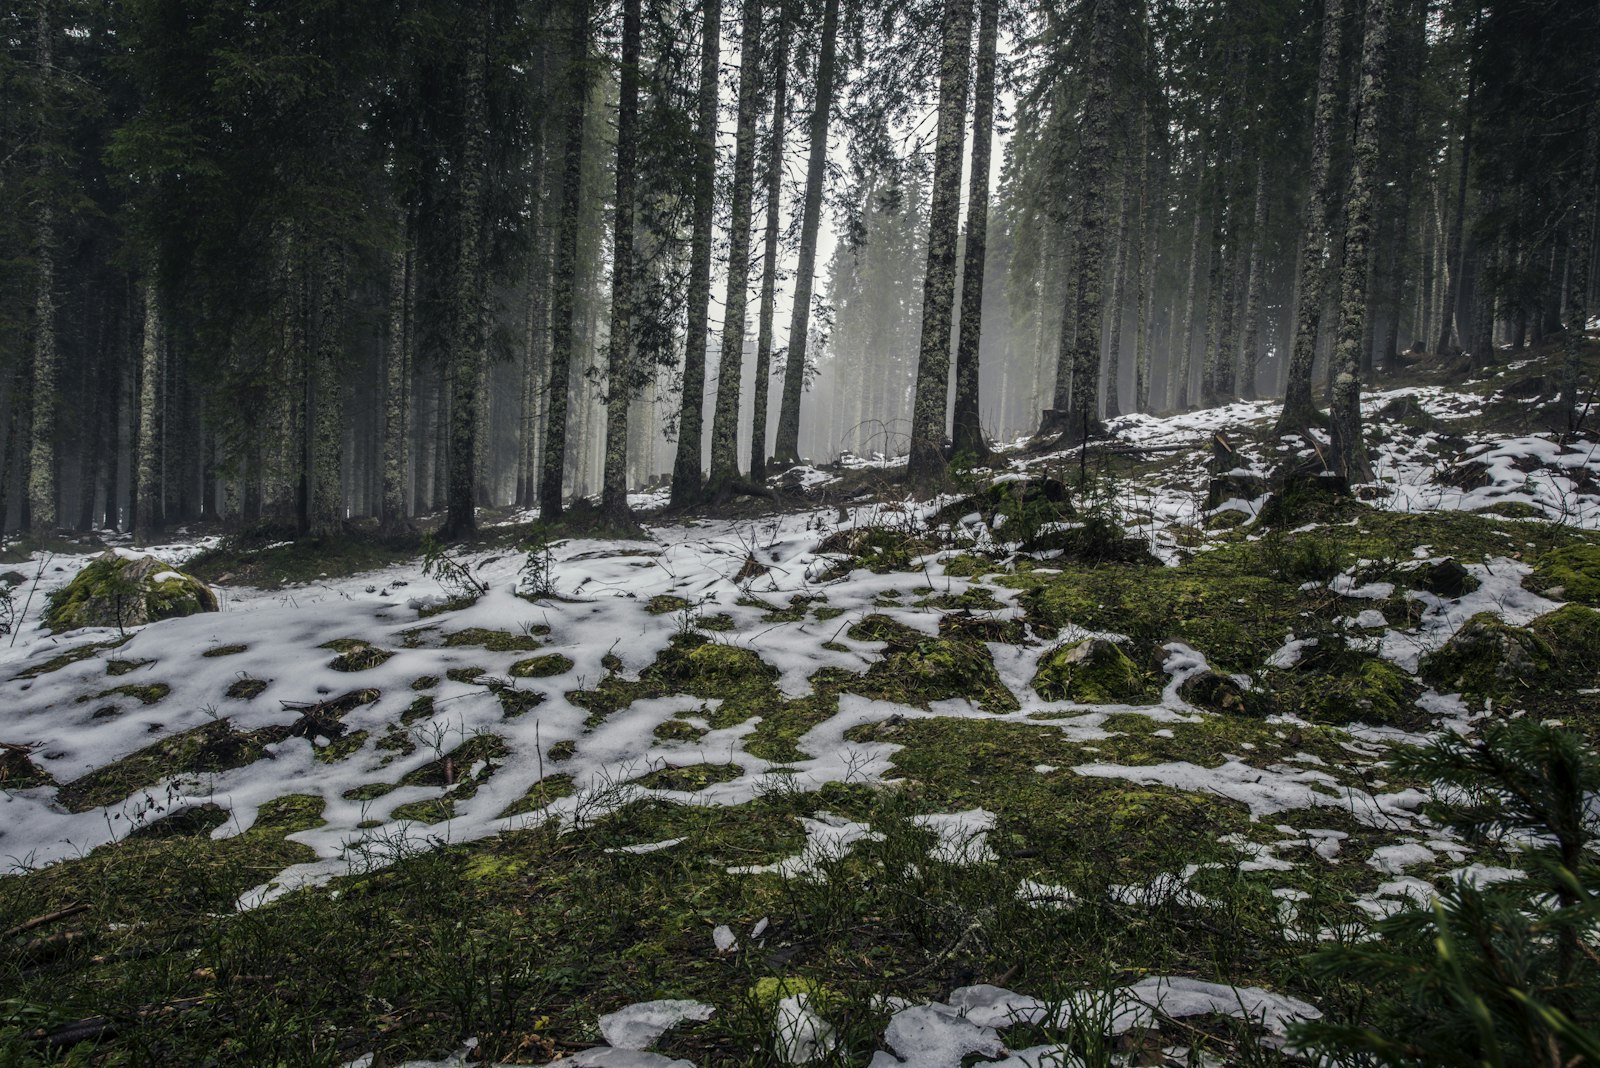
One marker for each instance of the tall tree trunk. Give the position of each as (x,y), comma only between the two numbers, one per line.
(730,365)
(1182,348)
(147,518)
(786,450)
(1119,286)
(1349,448)
(967,426)
(1298,408)
(1221,240)
(619,358)
(396,375)
(563,309)
(1251,358)
(325,407)
(1455,252)
(1149,201)
(468,295)
(769,267)
(1580,256)
(686,483)
(42,440)
(926,465)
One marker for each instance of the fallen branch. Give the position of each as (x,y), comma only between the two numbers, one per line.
(50,917)
(99,1027)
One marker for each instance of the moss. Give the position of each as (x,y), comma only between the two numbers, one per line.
(225,650)
(1573,570)
(1573,635)
(491,867)
(396,743)
(717,623)
(125,667)
(540,795)
(542,667)
(975,599)
(767,991)
(515,702)
(246,688)
(470,674)
(290,813)
(355,654)
(434,810)
(188,821)
(452,768)
(497,641)
(424,682)
(119,591)
(457,603)
(689,779)
(70,657)
(1092,671)
(878,627)
(149,694)
(341,748)
(562,750)
(266,559)
(664,603)
(917,671)
(1489,658)
(213,747)
(677,730)
(1356,687)
(1217,692)
(969,565)
(878,549)
(368,791)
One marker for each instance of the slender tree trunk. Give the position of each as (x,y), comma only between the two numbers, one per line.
(1298,408)
(786,450)
(1349,448)
(467,341)
(1119,286)
(730,365)
(1455,252)
(397,373)
(967,425)
(1252,301)
(147,486)
(1181,369)
(42,440)
(769,267)
(686,483)
(326,411)
(619,358)
(926,464)
(1149,201)
(1221,239)
(1580,256)
(563,309)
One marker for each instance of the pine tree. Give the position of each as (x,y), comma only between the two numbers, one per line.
(620,373)
(967,429)
(769,266)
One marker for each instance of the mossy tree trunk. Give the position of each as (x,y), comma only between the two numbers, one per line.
(1299,410)
(1349,447)
(786,449)
(396,376)
(1455,249)
(620,372)
(1251,356)
(926,465)
(1149,205)
(41,496)
(966,426)
(147,484)
(730,362)
(563,308)
(769,266)
(326,410)
(686,482)
(1119,288)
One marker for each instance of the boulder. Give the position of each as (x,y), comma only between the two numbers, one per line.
(1215,692)
(1488,657)
(1091,671)
(117,590)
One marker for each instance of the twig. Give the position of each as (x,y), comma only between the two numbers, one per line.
(29,602)
(49,917)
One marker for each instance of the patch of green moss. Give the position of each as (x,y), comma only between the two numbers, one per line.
(562,750)
(246,688)
(515,702)
(689,779)
(1574,570)
(118,591)
(424,682)
(917,671)
(225,650)
(718,623)
(540,795)
(70,657)
(497,641)
(355,654)
(452,768)
(433,810)
(149,694)
(266,559)
(214,747)
(542,667)
(468,674)
(452,604)
(1357,688)
(368,791)
(663,603)
(1489,658)
(396,743)
(125,667)
(290,813)
(341,748)
(1092,671)
(878,549)
(677,730)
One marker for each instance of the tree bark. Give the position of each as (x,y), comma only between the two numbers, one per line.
(686,483)
(786,450)
(967,426)
(1251,358)
(1298,408)
(1349,448)
(1454,251)
(147,485)
(619,358)
(926,464)
(1119,285)
(41,494)
(326,410)
(730,365)
(397,374)
(1580,255)
(1149,201)
(1182,348)
(769,267)
(563,309)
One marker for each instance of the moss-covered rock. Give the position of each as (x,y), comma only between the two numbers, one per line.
(1573,634)
(1488,657)
(1365,689)
(126,591)
(921,670)
(1092,671)
(1216,692)
(1571,573)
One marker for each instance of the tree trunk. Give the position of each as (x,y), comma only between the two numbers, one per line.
(730,365)
(147,485)
(1252,300)
(786,450)
(563,309)
(1455,253)
(1349,448)
(686,484)
(325,407)
(619,358)
(1182,348)
(967,426)
(1119,285)
(769,267)
(1298,408)
(397,373)
(1149,201)
(926,466)
(1580,255)
(42,439)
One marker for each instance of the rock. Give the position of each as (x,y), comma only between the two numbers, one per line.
(1215,692)
(1571,573)
(127,591)
(1488,657)
(1092,671)
(1448,578)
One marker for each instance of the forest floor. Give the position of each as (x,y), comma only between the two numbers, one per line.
(1067,766)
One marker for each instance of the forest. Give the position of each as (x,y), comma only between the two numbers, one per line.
(889,533)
